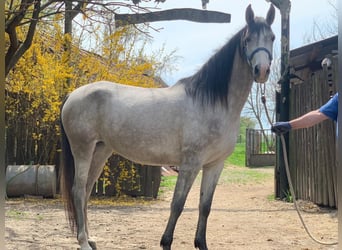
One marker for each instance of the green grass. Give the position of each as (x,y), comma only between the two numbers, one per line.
(229,175)
(239,175)
(167,183)
(18,215)
(237,158)
(271,197)
(235,172)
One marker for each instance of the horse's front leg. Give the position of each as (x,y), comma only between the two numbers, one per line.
(186,177)
(210,178)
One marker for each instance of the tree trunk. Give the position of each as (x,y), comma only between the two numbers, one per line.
(16,50)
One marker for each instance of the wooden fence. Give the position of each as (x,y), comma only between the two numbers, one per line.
(312,157)
(126,177)
(138,180)
(312,150)
(260,148)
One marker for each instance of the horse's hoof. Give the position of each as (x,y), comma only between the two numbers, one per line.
(166,242)
(92,244)
(201,244)
(85,248)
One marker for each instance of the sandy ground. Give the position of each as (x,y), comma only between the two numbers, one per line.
(242,217)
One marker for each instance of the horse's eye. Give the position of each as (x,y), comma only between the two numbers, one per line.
(248,39)
(273,38)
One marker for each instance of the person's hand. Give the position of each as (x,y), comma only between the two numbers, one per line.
(281,127)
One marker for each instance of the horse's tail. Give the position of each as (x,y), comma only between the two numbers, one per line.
(67,172)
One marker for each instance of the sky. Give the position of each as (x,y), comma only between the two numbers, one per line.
(196,42)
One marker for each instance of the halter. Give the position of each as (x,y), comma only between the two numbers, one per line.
(250,57)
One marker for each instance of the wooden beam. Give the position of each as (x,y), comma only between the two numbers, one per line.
(188,14)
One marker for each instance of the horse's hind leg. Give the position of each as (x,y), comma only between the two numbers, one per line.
(210,178)
(100,156)
(83,157)
(186,177)
(101,153)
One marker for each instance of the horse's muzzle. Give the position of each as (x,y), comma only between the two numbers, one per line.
(261,73)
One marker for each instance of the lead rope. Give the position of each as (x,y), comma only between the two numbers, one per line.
(263,99)
(294,196)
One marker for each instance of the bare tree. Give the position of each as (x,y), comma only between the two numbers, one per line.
(324,28)
(27,13)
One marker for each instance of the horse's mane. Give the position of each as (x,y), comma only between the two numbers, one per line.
(210,84)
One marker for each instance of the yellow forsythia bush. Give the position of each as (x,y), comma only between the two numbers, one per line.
(46,73)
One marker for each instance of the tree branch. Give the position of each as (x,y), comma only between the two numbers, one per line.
(194,15)
(78,8)
(14,54)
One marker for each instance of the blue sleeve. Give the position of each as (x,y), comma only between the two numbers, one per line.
(330,109)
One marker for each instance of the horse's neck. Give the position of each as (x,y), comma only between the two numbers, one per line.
(241,83)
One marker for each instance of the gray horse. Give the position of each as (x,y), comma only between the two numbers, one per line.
(193,125)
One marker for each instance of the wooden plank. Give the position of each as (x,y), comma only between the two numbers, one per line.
(312,150)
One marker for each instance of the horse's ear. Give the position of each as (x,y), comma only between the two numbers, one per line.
(249,15)
(270,15)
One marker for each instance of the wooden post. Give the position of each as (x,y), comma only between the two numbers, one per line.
(2,129)
(282,186)
(339,139)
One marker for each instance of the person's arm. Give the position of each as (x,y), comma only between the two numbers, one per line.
(328,110)
(305,121)
(308,120)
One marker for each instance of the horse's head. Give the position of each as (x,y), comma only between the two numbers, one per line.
(258,43)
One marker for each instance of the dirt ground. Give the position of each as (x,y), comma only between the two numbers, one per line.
(242,217)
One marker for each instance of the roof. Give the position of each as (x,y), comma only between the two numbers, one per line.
(307,59)
(313,53)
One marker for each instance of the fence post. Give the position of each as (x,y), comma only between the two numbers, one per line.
(339,143)
(248,149)
(280,173)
